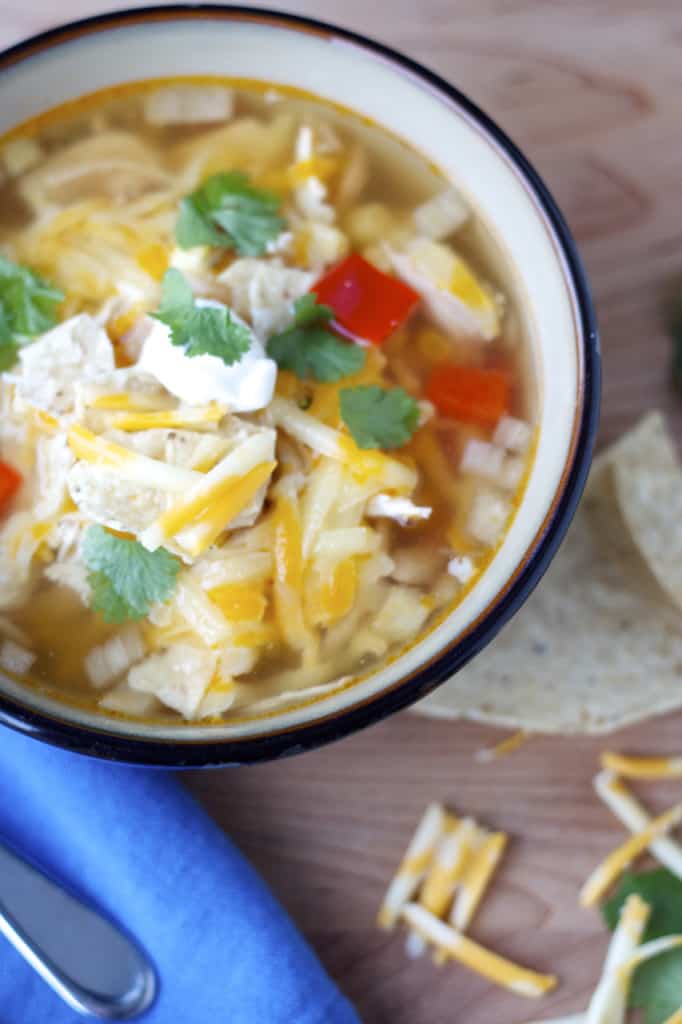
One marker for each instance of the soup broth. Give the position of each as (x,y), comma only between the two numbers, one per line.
(267,409)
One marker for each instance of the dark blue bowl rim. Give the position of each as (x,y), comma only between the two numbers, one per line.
(213,753)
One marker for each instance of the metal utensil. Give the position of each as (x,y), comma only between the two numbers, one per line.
(88,961)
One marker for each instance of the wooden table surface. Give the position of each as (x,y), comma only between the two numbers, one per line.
(592,91)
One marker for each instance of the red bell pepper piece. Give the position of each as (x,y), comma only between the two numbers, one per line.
(10,482)
(367,303)
(469,393)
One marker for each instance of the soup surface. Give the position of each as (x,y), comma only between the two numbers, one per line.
(265,413)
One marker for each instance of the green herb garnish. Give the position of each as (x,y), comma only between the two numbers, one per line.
(379,417)
(202,330)
(229,212)
(310,350)
(124,577)
(657,983)
(28,307)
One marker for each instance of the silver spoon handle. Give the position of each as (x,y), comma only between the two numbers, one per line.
(82,955)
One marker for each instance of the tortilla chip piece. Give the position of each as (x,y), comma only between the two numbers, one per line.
(648,484)
(598,645)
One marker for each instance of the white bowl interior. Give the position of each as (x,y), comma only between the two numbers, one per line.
(530,256)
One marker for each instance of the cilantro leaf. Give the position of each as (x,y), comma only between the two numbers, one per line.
(379,417)
(124,577)
(307,311)
(310,350)
(203,330)
(194,228)
(657,983)
(28,307)
(229,212)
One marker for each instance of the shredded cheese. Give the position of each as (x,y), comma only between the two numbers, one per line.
(607,1005)
(389,473)
(288,585)
(648,951)
(131,465)
(507,746)
(239,602)
(643,767)
(610,869)
(447,873)
(495,968)
(477,878)
(413,866)
(448,868)
(126,401)
(628,809)
(209,488)
(231,497)
(171,418)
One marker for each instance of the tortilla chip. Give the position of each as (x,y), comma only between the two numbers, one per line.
(648,484)
(598,645)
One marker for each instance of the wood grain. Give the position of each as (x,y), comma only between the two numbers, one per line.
(591,90)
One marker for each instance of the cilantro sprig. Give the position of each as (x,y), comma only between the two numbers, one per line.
(379,417)
(202,330)
(227,211)
(657,984)
(310,350)
(125,578)
(28,307)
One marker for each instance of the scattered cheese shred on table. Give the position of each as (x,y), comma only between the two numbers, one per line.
(609,1000)
(477,877)
(413,866)
(506,746)
(495,968)
(642,767)
(676,1017)
(617,861)
(649,950)
(448,868)
(608,1003)
(628,809)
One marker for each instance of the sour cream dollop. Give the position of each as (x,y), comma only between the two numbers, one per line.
(197,380)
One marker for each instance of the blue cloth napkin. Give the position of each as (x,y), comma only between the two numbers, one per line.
(137,845)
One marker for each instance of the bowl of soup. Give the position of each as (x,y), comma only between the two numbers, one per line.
(299,380)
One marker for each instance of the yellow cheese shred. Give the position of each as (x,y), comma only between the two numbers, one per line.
(609,998)
(288,585)
(447,869)
(676,1017)
(239,602)
(649,950)
(172,418)
(490,965)
(506,746)
(643,767)
(337,595)
(127,401)
(414,865)
(87,446)
(230,497)
(612,867)
(45,422)
(477,878)
(630,812)
(180,515)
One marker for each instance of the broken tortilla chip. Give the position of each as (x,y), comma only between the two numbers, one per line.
(598,645)
(648,484)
